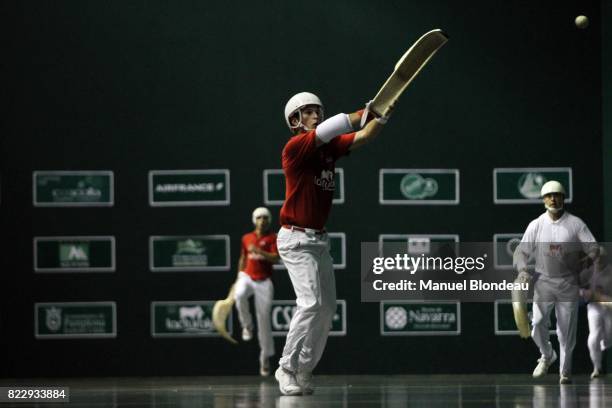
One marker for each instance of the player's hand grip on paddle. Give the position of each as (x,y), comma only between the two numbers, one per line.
(385,118)
(380,119)
(519,306)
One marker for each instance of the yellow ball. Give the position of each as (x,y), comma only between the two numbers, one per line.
(582,21)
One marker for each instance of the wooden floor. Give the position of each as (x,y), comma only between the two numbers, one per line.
(331,391)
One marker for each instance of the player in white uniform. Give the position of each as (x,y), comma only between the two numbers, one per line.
(309,165)
(258,253)
(597,291)
(555,238)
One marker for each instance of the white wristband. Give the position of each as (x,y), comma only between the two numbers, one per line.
(364,116)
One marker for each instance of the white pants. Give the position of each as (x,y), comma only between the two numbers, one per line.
(264,292)
(311,271)
(567,318)
(600,331)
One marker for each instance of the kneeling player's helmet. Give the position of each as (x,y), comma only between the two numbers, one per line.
(297,102)
(552,187)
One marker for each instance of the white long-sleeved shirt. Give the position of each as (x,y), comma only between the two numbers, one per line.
(556,245)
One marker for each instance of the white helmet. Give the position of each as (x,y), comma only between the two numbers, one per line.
(552,187)
(297,102)
(259,211)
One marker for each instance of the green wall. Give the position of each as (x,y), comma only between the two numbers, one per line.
(198,85)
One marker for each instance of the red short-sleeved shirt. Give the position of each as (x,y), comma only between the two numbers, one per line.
(309,174)
(257,267)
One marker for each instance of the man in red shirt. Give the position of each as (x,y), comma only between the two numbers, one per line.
(308,161)
(257,254)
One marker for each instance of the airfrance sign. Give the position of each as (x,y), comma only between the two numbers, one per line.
(171,188)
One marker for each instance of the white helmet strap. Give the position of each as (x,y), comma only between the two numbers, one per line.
(300,124)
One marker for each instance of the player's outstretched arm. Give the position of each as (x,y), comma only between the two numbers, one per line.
(367,134)
(371,129)
(342,123)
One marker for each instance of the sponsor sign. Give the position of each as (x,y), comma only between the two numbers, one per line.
(282,311)
(337,250)
(184,319)
(419,186)
(522,185)
(74,254)
(274,185)
(189,253)
(407,318)
(417,244)
(73,189)
(170,188)
(504,318)
(504,246)
(75,320)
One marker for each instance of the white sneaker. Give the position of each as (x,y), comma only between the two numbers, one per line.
(304,380)
(543,364)
(287,383)
(264,367)
(595,374)
(564,379)
(247,334)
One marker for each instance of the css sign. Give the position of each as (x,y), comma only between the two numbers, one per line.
(282,311)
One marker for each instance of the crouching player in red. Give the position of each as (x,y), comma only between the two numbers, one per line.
(257,255)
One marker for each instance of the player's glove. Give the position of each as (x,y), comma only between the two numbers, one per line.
(381,119)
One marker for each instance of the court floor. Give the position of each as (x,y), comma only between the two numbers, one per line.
(332,391)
